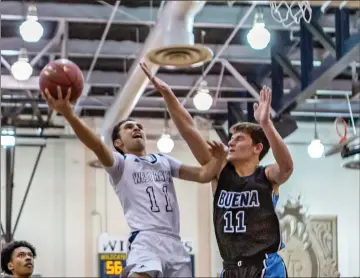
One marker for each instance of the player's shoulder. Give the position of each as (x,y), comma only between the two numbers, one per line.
(262,174)
(226,166)
(126,157)
(161,156)
(119,155)
(167,160)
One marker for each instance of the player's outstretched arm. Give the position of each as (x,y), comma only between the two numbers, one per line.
(279,172)
(210,170)
(82,131)
(182,119)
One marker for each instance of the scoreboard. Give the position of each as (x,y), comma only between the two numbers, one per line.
(112,254)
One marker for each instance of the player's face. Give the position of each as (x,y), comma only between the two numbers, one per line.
(132,137)
(22,262)
(242,147)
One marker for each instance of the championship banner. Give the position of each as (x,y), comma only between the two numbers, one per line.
(112,254)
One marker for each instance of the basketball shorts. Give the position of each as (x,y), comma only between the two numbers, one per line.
(271,265)
(157,255)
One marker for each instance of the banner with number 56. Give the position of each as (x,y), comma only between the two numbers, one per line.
(112,254)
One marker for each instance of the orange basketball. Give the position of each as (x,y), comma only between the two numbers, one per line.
(65,74)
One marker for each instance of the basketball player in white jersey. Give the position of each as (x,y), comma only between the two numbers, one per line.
(144,185)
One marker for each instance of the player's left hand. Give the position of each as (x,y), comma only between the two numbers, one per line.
(159,84)
(60,104)
(262,108)
(217,149)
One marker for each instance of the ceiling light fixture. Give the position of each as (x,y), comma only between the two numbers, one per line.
(165,144)
(259,37)
(203,100)
(21,69)
(31,30)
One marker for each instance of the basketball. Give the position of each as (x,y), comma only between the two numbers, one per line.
(65,74)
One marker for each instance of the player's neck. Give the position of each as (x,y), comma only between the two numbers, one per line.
(245,168)
(20,276)
(138,153)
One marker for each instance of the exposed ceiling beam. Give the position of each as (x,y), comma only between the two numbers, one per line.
(322,75)
(211,16)
(130,49)
(324,108)
(326,105)
(176,81)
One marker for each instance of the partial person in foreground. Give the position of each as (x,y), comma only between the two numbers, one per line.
(144,185)
(17,259)
(245,194)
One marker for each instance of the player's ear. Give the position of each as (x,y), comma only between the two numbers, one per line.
(258,148)
(118,143)
(10,266)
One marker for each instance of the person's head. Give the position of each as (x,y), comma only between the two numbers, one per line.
(248,142)
(17,259)
(128,136)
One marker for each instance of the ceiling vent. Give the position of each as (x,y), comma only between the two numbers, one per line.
(180,56)
(177,47)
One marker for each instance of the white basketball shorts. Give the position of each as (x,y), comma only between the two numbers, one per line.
(157,255)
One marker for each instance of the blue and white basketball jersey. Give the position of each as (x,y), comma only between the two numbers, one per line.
(145,188)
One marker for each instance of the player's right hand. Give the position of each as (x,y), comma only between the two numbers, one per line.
(217,149)
(262,108)
(61,105)
(159,85)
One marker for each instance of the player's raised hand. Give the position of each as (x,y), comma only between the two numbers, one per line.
(217,149)
(262,108)
(159,84)
(61,104)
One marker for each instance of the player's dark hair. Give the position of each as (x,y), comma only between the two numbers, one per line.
(116,132)
(8,251)
(256,133)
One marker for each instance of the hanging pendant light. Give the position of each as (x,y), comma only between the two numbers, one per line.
(165,144)
(316,148)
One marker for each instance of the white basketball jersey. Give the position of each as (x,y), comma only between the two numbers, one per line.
(145,188)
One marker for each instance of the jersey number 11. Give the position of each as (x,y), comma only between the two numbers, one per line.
(153,204)
(239,226)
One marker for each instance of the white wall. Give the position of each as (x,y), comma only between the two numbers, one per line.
(53,216)
(327,189)
(57,217)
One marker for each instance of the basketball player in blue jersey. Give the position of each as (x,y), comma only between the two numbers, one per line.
(144,185)
(245,194)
